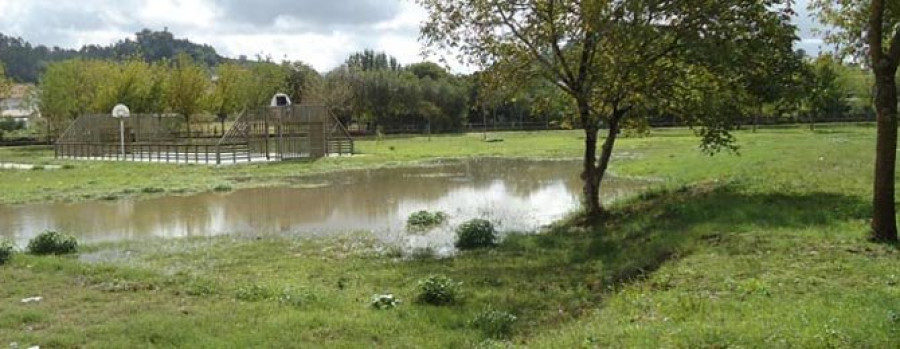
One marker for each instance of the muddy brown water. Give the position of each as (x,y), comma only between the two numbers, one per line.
(517,195)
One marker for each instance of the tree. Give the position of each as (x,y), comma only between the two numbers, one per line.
(5,84)
(187,84)
(229,94)
(827,96)
(266,79)
(870,30)
(59,102)
(304,83)
(611,58)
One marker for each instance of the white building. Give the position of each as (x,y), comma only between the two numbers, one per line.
(18,104)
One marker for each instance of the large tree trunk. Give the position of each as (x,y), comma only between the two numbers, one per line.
(884,220)
(589,174)
(594,168)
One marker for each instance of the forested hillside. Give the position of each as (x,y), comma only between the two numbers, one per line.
(25,62)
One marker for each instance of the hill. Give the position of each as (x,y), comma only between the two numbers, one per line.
(25,62)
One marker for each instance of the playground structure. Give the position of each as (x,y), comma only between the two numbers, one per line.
(278,133)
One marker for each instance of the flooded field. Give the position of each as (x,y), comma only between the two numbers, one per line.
(517,195)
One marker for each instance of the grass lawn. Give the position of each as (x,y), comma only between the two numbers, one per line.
(764,249)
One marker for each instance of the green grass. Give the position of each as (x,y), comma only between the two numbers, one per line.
(765,249)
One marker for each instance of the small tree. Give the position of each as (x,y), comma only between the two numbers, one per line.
(5,84)
(187,84)
(229,94)
(612,58)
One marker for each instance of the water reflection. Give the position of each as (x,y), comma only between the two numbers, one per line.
(516,194)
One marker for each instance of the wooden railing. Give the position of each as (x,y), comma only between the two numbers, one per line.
(165,153)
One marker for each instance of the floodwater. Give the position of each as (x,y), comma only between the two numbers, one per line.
(517,195)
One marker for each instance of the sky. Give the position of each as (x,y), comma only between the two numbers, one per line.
(320,33)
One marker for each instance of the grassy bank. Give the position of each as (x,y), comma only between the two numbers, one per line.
(759,250)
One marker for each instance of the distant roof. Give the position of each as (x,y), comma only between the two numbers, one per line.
(18,91)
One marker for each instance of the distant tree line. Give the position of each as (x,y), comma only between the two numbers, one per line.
(372,91)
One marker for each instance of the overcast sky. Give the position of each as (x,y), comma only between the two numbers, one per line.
(321,33)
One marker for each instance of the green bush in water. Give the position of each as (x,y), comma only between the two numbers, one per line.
(6,252)
(476,233)
(51,242)
(425,219)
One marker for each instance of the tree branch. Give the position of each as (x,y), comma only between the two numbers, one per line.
(507,20)
(876,34)
(554,42)
(894,53)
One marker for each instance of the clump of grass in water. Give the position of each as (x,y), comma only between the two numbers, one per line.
(221,188)
(6,252)
(51,242)
(474,234)
(152,190)
(424,219)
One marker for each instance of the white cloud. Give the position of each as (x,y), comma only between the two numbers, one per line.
(320,33)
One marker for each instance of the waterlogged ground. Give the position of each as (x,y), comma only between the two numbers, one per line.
(764,249)
(517,195)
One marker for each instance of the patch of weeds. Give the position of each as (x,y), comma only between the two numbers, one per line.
(52,242)
(496,324)
(393,252)
(221,188)
(495,344)
(384,301)
(68,167)
(129,191)
(7,250)
(422,253)
(109,197)
(342,283)
(117,285)
(476,233)
(424,219)
(296,297)
(439,290)
(37,168)
(254,293)
(201,288)
(152,190)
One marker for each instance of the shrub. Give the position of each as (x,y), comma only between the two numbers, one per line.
(425,219)
(51,242)
(6,252)
(494,323)
(476,233)
(384,301)
(221,188)
(296,297)
(438,290)
(253,293)
(152,190)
